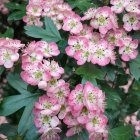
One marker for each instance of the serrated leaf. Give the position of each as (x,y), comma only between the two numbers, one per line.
(121,133)
(135,68)
(49,34)
(90,72)
(17,83)
(112,98)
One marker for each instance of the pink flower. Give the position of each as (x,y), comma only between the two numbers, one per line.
(95,38)
(76,98)
(60,93)
(97,123)
(128,50)
(75,44)
(51,134)
(70,120)
(103,53)
(74,130)
(47,105)
(34,73)
(44,122)
(86,32)
(48,49)
(103,20)
(53,68)
(9,51)
(34,10)
(32,53)
(133,6)
(72,24)
(118,5)
(89,14)
(131,21)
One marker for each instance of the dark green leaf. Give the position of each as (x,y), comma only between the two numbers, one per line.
(1,70)
(90,72)
(17,83)
(135,68)
(8,130)
(9,33)
(121,133)
(17,15)
(13,103)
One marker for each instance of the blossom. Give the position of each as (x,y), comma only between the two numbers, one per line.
(119,5)
(76,43)
(76,98)
(48,49)
(34,73)
(47,105)
(9,51)
(72,24)
(128,49)
(89,14)
(103,20)
(131,21)
(97,123)
(103,53)
(34,10)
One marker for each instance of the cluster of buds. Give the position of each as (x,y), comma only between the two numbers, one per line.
(36,69)
(132,119)
(3,9)
(9,51)
(82,108)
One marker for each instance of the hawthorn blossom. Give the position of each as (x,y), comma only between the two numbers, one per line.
(104,20)
(72,24)
(97,123)
(9,51)
(103,53)
(47,105)
(75,44)
(131,21)
(89,14)
(118,5)
(128,49)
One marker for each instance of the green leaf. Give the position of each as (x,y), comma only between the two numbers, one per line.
(8,130)
(90,72)
(1,70)
(13,103)
(26,120)
(9,33)
(135,68)
(15,6)
(136,35)
(17,15)
(17,83)
(121,133)
(49,34)
(112,97)
(32,133)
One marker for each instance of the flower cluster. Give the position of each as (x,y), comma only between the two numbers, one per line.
(132,119)
(38,70)
(59,11)
(9,51)
(81,108)
(3,9)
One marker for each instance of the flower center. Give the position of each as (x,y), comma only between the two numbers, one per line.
(79,97)
(91,97)
(102,20)
(7,56)
(38,75)
(99,53)
(95,121)
(132,20)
